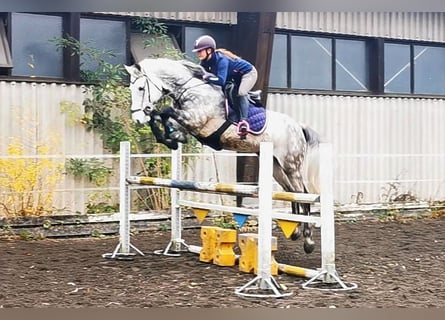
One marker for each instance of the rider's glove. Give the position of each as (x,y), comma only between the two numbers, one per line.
(209,77)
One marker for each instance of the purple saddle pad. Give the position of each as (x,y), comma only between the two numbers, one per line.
(256,118)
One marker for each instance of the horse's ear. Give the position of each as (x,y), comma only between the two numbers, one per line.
(133,70)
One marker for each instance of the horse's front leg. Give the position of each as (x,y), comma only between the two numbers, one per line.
(172,128)
(160,135)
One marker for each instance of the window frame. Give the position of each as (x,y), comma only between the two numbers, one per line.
(374,59)
(412,80)
(71,62)
(4,44)
(71,26)
(370,43)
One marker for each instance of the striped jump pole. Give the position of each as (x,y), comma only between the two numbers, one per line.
(327,274)
(222,188)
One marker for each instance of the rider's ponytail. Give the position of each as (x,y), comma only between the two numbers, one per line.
(228,53)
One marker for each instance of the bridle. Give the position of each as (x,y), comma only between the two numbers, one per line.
(147,82)
(164,91)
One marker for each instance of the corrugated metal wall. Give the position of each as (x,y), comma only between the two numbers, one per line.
(378,142)
(384,147)
(428,26)
(214,17)
(31,113)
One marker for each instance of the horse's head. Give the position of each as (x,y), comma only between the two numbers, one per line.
(146,90)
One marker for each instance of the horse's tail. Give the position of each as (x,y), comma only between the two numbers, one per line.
(311,164)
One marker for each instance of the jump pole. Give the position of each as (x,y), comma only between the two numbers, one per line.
(326,274)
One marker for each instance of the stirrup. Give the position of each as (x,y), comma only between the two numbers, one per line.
(242,128)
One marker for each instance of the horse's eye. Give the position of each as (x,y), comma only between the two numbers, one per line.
(141,88)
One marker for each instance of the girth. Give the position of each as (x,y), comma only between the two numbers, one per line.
(213,140)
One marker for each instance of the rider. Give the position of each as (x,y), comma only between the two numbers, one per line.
(224,66)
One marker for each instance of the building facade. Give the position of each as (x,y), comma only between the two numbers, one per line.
(371,83)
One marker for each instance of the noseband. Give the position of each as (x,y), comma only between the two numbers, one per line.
(147,82)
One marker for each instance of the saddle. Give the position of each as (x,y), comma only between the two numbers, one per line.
(257,112)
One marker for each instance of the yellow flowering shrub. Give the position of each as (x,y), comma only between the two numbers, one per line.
(27,183)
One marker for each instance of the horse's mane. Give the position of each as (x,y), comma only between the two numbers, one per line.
(196,70)
(170,64)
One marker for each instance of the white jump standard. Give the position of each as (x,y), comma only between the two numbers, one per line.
(323,278)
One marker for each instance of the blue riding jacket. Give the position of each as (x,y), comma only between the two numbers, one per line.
(226,68)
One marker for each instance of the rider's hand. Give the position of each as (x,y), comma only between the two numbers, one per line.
(206,75)
(209,77)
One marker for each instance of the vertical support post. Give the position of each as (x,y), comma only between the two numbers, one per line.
(123,248)
(265,216)
(175,208)
(327,211)
(124,198)
(328,274)
(264,280)
(174,247)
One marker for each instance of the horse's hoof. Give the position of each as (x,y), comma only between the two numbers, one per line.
(307,233)
(296,235)
(308,247)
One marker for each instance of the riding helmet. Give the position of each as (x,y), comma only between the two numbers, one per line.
(204,42)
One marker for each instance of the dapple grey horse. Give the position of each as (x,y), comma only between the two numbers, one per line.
(199,109)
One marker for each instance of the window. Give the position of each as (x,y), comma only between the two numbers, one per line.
(311,63)
(278,75)
(5,53)
(319,63)
(145,46)
(429,66)
(32,52)
(351,65)
(397,68)
(414,69)
(107,36)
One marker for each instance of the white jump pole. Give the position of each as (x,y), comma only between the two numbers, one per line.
(264,279)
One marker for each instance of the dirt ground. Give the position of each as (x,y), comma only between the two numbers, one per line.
(394,264)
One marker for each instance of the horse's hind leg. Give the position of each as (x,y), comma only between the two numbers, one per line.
(293,183)
(296,210)
(309,244)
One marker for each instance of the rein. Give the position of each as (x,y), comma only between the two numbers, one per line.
(170,94)
(213,140)
(166,93)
